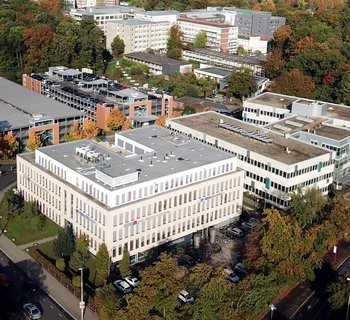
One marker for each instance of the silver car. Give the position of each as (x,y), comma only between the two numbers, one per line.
(31,311)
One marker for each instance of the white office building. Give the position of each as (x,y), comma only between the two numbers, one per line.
(151,187)
(274,165)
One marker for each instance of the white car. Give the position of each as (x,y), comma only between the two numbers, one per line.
(185,297)
(133,281)
(122,286)
(31,311)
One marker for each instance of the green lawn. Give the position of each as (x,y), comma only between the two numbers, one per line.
(23,231)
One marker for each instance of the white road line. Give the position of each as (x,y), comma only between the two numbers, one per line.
(51,307)
(43,298)
(60,315)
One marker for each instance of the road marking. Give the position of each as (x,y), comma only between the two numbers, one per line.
(60,315)
(51,307)
(43,298)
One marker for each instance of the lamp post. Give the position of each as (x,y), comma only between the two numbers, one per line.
(347,309)
(272,308)
(82,302)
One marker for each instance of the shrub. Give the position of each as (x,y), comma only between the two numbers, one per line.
(76,281)
(38,222)
(60,264)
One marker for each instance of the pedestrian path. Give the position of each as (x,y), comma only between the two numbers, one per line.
(35,243)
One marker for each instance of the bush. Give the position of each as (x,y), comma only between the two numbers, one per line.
(38,222)
(60,264)
(76,281)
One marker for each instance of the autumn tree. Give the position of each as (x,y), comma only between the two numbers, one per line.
(295,83)
(160,121)
(9,144)
(340,217)
(124,267)
(117,47)
(303,44)
(107,302)
(81,252)
(90,129)
(34,142)
(74,132)
(116,119)
(282,34)
(274,64)
(174,43)
(102,261)
(126,125)
(253,249)
(241,83)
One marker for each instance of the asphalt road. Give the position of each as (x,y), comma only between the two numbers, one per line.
(13,297)
(7,176)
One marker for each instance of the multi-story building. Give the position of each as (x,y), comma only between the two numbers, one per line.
(159,64)
(323,124)
(275,165)
(139,35)
(158,16)
(94,3)
(150,188)
(97,98)
(209,58)
(102,15)
(220,36)
(24,113)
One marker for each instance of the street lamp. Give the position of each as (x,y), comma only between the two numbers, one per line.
(82,302)
(347,309)
(272,308)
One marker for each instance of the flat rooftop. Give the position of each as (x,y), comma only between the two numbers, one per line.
(173,153)
(314,125)
(107,10)
(274,100)
(154,58)
(18,105)
(132,22)
(208,123)
(204,22)
(261,60)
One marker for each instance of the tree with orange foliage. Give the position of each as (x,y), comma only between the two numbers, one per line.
(74,132)
(50,6)
(34,142)
(282,33)
(302,45)
(116,119)
(160,121)
(11,144)
(126,125)
(90,129)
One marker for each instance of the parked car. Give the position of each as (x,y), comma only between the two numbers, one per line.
(30,286)
(185,297)
(185,260)
(236,232)
(4,280)
(233,277)
(132,281)
(31,311)
(248,225)
(254,221)
(197,255)
(240,269)
(122,286)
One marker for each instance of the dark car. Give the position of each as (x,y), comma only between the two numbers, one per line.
(185,260)
(197,255)
(30,286)
(4,280)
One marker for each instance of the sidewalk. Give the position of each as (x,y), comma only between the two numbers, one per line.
(57,291)
(48,283)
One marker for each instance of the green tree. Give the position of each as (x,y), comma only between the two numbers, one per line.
(340,217)
(241,83)
(339,291)
(174,43)
(81,252)
(11,204)
(124,266)
(307,208)
(103,261)
(107,303)
(63,246)
(118,47)
(201,40)
(60,264)
(38,222)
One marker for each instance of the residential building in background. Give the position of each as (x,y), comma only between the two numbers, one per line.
(275,165)
(139,35)
(24,113)
(159,64)
(151,187)
(220,36)
(94,3)
(209,58)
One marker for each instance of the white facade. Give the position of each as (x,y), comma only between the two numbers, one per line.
(138,35)
(158,16)
(134,193)
(272,170)
(253,44)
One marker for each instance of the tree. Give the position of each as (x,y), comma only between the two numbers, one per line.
(63,245)
(124,267)
(34,142)
(107,302)
(307,207)
(253,249)
(90,129)
(74,132)
(339,292)
(38,222)
(174,43)
(126,125)
(282,34)
(201,40)
(160,121)
(241,83)
(102,262)
(118,47)
(116,119)
(11,203)
(81,253)
(60,264)
(340,217)
(11,144)
(274,64)
(295,83)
